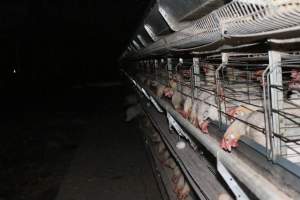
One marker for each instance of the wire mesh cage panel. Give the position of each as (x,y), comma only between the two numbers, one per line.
(284,104)
(182,77)
(180,72)
(142,71)
(241,96)
(241,78)
(146,71)
(208,67)
(205,97)
(184,69)
(150,69)
(172,64)
(250,18)
(161,71)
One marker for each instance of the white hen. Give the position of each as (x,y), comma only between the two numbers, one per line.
(239,128)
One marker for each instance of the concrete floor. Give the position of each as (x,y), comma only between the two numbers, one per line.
(111,162)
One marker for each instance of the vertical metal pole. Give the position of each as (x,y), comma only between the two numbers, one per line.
(276,101)
(180,63)
(196,71)
(163,67)
(267,113)
(169,63)
(220,90)
(196,76)
(225,57)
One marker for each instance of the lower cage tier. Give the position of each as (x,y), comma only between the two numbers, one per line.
(171,161)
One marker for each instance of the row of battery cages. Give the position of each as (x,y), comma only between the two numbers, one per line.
(243,80)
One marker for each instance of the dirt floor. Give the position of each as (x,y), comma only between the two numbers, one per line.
(73,146)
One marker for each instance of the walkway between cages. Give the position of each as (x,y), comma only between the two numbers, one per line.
(111,163)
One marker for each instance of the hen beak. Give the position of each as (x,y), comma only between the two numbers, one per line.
(228,147)
(183,114)
(168,92)
(224,144)
(234,143)
(204,127)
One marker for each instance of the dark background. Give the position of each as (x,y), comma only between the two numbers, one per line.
(59,43)
(55,45)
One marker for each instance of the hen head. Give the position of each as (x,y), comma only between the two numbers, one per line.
(168,92)
(230,140)
(237,111)
(295,75)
